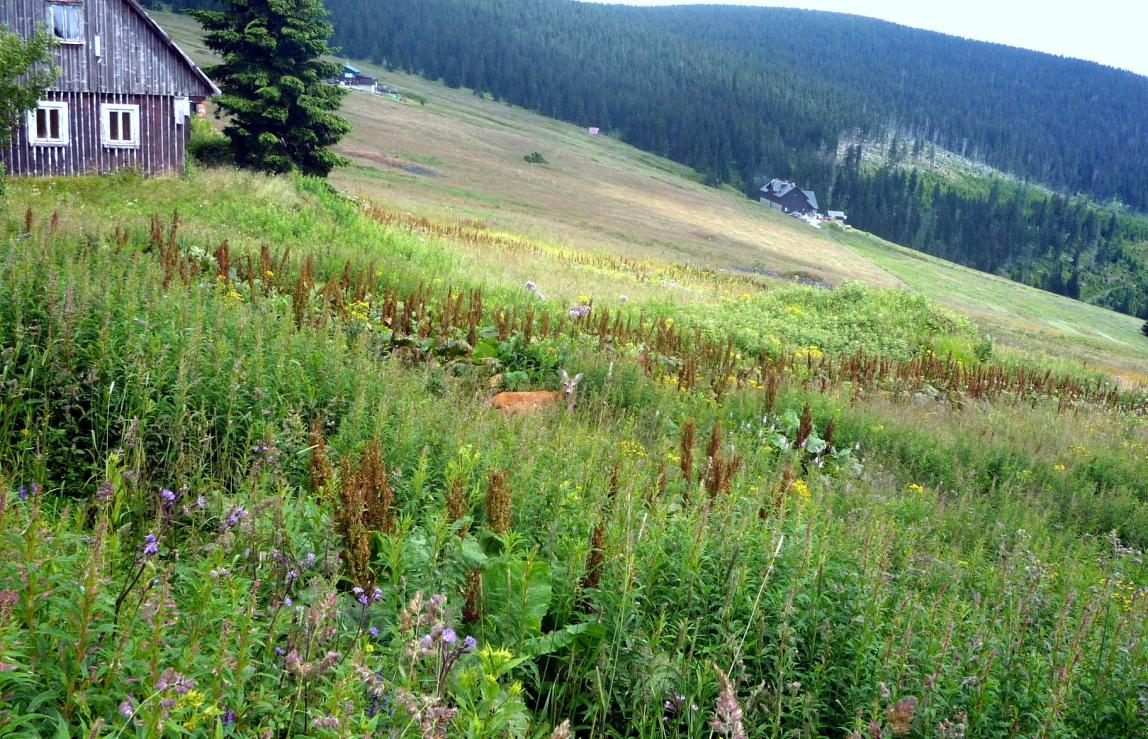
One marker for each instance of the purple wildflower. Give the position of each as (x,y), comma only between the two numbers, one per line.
(727,720)
(292,574)
(201,502)
(167,495)
(377,595)
(373,631)
(364,599)
(151,546)
(128,708)
(105,491)
(448,636)
(228,716)
(177,683)
(469,644)
(287,602)
(578,311)
(234,518)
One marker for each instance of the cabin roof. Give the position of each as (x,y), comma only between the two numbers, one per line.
(135,6)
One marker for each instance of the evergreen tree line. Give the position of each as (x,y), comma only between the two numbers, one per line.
(1069,246)
(740,93)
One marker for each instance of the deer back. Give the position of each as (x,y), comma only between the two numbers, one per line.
(518,402)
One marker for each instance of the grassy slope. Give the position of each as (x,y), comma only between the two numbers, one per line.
(1021,316)
(599,195)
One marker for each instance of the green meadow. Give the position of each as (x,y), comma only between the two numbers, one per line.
(251,484)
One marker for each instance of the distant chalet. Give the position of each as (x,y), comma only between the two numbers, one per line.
(354,78)
(788,198)
(123,97)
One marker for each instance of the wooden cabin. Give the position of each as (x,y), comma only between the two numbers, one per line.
(124,96)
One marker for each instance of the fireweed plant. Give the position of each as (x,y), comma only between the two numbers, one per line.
(251,491)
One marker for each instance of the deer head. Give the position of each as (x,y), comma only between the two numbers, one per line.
(569,387)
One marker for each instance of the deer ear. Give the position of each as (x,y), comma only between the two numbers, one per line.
(577,378)
(565,377)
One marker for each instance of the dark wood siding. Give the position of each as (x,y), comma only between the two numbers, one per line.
(794,200)
(162,143)
(135,58)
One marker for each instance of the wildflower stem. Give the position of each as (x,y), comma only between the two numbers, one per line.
(756,603)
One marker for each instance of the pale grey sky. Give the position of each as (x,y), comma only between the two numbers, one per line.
(1112,32)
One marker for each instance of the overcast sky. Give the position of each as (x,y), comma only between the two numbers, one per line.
(1111,32)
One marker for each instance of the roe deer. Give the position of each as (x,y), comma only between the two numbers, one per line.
(532,401)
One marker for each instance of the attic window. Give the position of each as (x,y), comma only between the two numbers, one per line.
(66,22)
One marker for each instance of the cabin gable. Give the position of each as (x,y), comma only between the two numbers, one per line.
(123,97)
(112,46)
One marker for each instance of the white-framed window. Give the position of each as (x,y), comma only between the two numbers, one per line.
(66,22)
(48,124)
(120,125)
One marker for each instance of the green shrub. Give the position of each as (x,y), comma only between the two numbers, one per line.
(208,146)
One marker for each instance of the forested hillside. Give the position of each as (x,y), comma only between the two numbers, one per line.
(1067,245)
(747,94)
(750,87)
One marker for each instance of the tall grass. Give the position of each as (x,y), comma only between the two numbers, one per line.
(222,516)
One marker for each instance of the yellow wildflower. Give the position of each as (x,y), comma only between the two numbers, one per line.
(631,448)
(811,352)
(360,310)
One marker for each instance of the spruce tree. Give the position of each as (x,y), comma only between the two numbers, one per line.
(272,79)
(1144,328)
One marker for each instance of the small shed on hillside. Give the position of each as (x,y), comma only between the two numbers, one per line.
(836,215)
(122,100)
(788,198)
